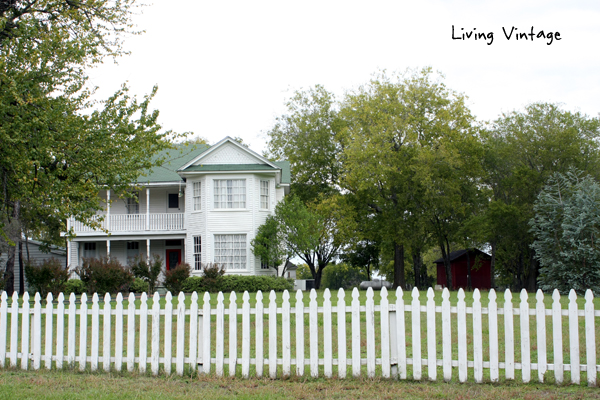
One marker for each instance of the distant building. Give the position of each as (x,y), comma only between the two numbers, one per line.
(481,277)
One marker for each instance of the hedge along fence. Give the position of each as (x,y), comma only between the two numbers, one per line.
(389,335)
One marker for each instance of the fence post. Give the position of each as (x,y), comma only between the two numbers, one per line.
(431,339)
(119,333)
(49,330)
(95,332)
(370,324)
(107,332)
(493,324)
(446,336)
(168,350)
(272,335)
(540,318)
(385,333)
(3,325)
(557,337)
(341,326)
(314,335)
(220,334)
(37,332)
(509,337)
(327,339)
(83,313)
(206,333)
(14,329)
(416,334)
(155,333)
(179,363)
(461,322)
(355,334)
(400,333)
(143,349)
(259,322)
(525,341)
(574,338)
(131,332)
(60,331)
(286,347)
(193,356)
(232,333)
(245,335)
(299,333)
(590,337)
(477,338)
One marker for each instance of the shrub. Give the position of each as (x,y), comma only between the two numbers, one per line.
(74,286)
(175,277)
(194,284)
(49,276)
(239,284)
(212,274)
(138,286)
(102,275)
(147,270)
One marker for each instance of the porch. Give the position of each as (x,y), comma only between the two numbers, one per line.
(132,223)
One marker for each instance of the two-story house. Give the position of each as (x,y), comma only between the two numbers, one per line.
(204,204)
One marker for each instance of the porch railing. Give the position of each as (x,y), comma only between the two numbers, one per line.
(133,223)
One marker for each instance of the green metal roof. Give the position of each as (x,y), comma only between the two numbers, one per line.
(286,176)
(173,160)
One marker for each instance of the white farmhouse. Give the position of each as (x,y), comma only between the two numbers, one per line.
(203,205)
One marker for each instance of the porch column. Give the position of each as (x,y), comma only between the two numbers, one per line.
(148,215)
(108,248)
(148,249)
(107,222)
(68,251)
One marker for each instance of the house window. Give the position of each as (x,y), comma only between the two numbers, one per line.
(173,200)
(230,193)
(133,249)
(89,250)
(230,251)
(133,204)
(197,189)
(264,194)
(197,253)
(263,265)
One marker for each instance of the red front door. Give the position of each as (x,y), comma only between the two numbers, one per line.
(173,258)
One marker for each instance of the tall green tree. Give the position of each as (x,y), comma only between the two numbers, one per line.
(58,147)
(271,247)
(566,228)
(522,150)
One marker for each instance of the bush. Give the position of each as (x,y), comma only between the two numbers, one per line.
(212,275)
(104,275)
(239,284)
(74,286)
(336,276)
(147,270)
(175,277)
(138,286)
(50,276)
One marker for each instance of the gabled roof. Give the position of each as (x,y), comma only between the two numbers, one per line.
(173,160)
(459,253)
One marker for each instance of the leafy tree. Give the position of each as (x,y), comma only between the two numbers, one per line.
(365,255)
(58,147)
(523,150)
(566,227)
(270,246)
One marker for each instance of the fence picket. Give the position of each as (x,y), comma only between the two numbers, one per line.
(36,329)
(557,337)
(60,331)
(313,335)
(509,337)
(462,335)
(355,334)
(246,335)
(400,333)
(286,346)
(143,343)
(477,338)
(95,340)
(590,338)
(385,333)
(168,344)
(493,327)
(49,331)
(131,332)
(154,363)
(71,332)
(232,333)
(574,338)
(299,333)
(220,334)
(540,318)
(272,335)
(327,339)
(446,336)
(525,341)
(106,336)
(431,340)
(341,325)
(119,333)
(194,332)
(259,323)
(180,334)
(206,318)
(14,329)
(3,325)
(370,324)
(416,334)
(83,314)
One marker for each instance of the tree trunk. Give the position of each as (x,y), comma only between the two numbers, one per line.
(533,270)
(447,266)
(399,280)
(21,269)
(318,278)
(9,273)
(469,285)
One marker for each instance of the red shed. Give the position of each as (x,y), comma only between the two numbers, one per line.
(480,269)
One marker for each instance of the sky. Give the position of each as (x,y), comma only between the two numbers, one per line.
(226,68)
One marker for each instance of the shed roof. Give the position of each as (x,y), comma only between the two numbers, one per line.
(459,253)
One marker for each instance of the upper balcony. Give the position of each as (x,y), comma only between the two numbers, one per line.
(133,223)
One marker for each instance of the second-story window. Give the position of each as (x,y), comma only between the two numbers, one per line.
(264,195)
(133,204)
(173,200)
(197,188)
(230,193)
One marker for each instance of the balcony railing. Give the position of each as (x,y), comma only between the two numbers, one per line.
(134,223)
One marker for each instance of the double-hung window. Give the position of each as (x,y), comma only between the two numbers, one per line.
(89,250)
(197,253)
(197,189)
(264,195)
(230,193)
(230,251)
(133,204)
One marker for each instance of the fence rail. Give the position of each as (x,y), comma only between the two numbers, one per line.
(386,337)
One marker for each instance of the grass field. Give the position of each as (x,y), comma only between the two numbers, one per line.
(74,385)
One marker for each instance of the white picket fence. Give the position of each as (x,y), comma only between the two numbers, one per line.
(390,333)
